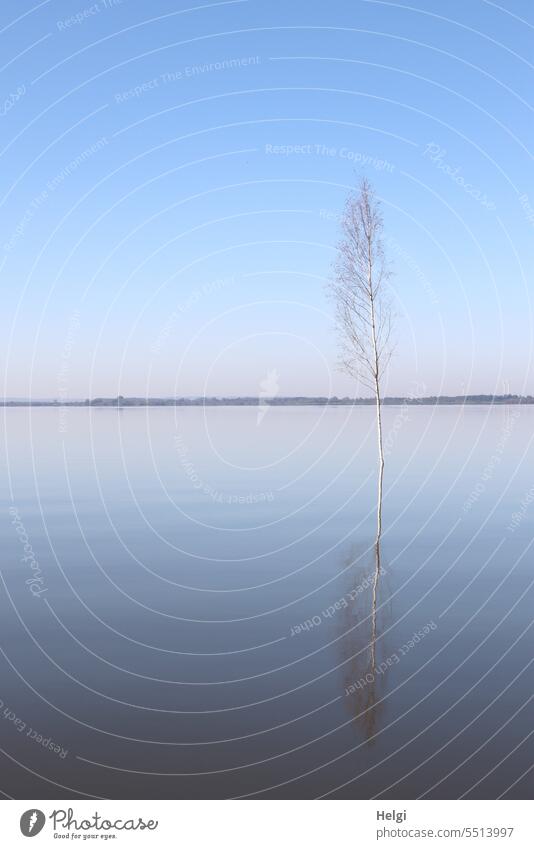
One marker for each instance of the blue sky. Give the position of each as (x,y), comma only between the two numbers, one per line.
(172,176)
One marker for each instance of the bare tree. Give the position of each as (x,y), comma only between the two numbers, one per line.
(363,308)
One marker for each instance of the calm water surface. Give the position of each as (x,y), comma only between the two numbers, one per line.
(205,618)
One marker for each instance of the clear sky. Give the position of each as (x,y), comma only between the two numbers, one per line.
(172,173)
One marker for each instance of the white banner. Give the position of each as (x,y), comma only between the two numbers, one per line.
(262,824)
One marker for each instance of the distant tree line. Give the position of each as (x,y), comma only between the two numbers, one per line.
(279,401)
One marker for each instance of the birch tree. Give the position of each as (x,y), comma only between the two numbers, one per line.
(363,307)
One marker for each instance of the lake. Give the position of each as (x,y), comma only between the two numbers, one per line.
(191,606)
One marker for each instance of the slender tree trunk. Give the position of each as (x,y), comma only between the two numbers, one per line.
(380,461)
(378,416)
(363,309)
(374,604)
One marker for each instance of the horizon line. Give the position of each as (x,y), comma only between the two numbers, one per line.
(274,400)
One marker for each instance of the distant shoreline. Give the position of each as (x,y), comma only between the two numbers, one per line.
(290,401)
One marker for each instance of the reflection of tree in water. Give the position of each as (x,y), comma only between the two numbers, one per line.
(363,647)
(364,320)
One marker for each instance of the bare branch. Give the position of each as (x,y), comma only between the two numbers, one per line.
(358,288)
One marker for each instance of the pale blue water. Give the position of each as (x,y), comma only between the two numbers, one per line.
(203,624)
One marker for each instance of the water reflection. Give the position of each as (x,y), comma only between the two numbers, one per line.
(132,608)
(363,640)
